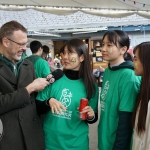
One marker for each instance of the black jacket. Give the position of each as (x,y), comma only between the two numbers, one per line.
(22,125)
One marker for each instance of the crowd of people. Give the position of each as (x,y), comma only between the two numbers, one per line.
(37,115)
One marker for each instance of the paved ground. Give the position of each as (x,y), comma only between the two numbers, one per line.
(93,134)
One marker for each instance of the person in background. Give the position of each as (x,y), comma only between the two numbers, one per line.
(61,62)
(118,94)
(22,125)
(50,60)
(44,56)
(141,114)
(128,56)
(57,62)
(40,65)
(98,74)
(46,50)
(62,127)
(56,65)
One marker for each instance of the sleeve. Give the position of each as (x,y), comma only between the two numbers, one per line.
(42,107)
(93,120)
(41,100)
(124,131)
(44,94)
(128,93)
(93,102)
(16,100)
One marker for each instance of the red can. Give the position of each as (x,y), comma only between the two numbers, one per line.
(83,103)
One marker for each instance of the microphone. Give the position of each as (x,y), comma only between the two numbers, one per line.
(55,75)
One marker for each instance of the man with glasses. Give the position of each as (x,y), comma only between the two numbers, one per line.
(22,129)
(46,50)
(20,45)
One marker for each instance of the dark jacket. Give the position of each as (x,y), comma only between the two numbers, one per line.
(22,126)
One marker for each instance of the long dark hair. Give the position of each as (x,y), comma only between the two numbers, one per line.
(118,37)
(85,71)
(144,94)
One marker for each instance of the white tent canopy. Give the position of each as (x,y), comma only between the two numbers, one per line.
(59,16)
(67,11)
(107,8)
(97,4)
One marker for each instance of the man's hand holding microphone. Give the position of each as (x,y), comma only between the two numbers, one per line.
(40,83)
(37,85)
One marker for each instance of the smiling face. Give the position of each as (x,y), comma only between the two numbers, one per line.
(138,67)
(71,59)
(111,52)
(15,45)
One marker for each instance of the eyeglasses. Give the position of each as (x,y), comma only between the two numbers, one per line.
(20,44)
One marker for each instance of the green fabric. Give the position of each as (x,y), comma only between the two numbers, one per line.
(131,141)
(24,55)
(66,131)
(126,64)
(119,91)
(13,67)
(41,66)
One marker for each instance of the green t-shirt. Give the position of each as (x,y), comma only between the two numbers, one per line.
(119,91)
(66,131)
(41,66)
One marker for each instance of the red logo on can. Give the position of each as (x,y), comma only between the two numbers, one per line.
(83,103)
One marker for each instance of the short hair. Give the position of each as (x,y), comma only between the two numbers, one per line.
(45,49)
(35,45)
(8,29)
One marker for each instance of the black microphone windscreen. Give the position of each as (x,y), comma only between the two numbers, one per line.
(58,73)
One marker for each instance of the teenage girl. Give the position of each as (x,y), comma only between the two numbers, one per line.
(118,95)
(141,115)
(62,127)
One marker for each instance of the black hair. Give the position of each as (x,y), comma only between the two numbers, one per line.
(34,46)
(46,49)
(118,37)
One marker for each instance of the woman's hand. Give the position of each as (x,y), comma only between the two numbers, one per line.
(56,106)
(89,111)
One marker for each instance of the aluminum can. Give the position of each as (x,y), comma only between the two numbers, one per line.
(83,103)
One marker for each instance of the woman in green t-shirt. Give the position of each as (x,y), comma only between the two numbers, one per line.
(118,94)
(61,124)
